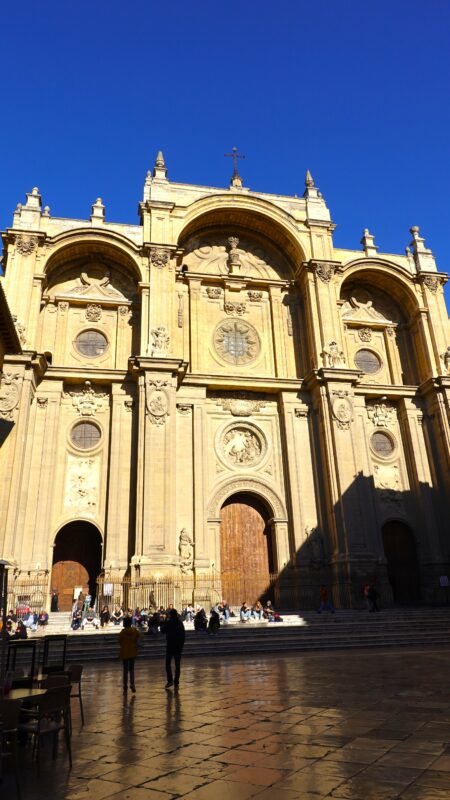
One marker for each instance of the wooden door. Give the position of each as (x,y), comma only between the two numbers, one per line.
(245,550)
(66,576)
(402,564)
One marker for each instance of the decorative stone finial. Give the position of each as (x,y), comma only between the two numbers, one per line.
(309,180)
(234,260)
(368,243)
(159,170)
(98,212)
(423,258)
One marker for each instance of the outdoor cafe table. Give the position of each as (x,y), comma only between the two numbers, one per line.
(26,695)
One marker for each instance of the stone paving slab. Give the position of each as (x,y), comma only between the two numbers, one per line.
(315,726)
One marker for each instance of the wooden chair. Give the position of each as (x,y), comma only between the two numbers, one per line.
(9,722)
(51,715)
(75,673)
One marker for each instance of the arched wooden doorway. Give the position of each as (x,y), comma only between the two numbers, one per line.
(402,564)
(246,549)
(77,558)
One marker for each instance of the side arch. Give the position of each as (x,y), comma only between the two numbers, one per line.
(79,243)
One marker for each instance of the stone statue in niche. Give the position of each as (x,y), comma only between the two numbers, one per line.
(161,341)
(315,546)
(186,551)
(333,356)
(446,360)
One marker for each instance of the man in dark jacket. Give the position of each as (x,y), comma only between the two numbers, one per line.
(175,635)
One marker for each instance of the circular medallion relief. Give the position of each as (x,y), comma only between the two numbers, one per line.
(9,396)
(85,435)
(242,445)
(236,341)
(382,444)
(367,361)
(91,343)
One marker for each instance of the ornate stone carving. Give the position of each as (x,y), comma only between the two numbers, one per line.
(241,446)
(432,282)
(161,342)
(180,311)
(159,257)
(9,394)
(234,261)
(315,545)
(186,551)
(390,331)
(211,256)
(235,308)
(93,312)
(184,409)
(254,297)
(445,358)
(302,413)
(89,401)
(123,310)
(82,485)
(26,244)
(42,402)
(360,306)
(213,292)
(342,410)
(240,404)
(365,334)
(63,307)
(388,485)
(20,328)
(324,271)
(332,356)
(129,405)
(95,284)
(257,486)
(158,402)
(381,413)
(236,341)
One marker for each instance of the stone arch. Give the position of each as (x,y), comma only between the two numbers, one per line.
(79,243)
(250,486)
(391,307)
(77,560)
(257,215)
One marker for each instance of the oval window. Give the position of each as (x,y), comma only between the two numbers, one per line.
(91,343)
(85,435)
(367,361)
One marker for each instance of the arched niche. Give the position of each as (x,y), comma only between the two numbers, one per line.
(381,327)
(77,561)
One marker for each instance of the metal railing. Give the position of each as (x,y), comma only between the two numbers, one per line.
(27,594)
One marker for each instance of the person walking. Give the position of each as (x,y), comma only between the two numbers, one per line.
(175,636)
(326,602)
(128,643)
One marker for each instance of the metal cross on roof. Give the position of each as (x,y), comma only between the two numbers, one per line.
(234,155)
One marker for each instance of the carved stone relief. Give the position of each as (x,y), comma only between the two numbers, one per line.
(324,271)
(184,409)
(213,292)
(159,257)
(129,405)
(445,358)
(93,312)
(342,410)
(432,283)
(89,401)
(388,485)
(236,341)
(254,297)
(26,244)
(240,404)
(360,305)
(242,445)
(9,394)
(82,482)
(180,311)
(332,356)
(381,413)
(235,308)
(63,307)
(161,341)
(365,334)
(215,255)
(42,402)
(315,543)
(186,552)
(158,401)
(94,281)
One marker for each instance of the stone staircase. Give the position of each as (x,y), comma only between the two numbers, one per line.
(309,631)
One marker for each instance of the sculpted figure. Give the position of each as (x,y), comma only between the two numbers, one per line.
(186,551)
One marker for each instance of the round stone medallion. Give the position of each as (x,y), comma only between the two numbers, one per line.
(236,341)
(241,445)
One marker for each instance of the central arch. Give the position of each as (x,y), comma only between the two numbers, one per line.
(246,549)
(77,560)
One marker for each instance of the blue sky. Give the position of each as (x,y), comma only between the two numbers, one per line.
(358,92)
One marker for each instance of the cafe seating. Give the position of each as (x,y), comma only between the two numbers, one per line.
(9,721)
(75,673)
(50,715)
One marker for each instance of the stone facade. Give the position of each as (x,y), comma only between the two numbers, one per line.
(224,347)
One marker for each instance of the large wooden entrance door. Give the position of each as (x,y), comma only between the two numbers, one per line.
(246,557)
(76,561)
(402,565)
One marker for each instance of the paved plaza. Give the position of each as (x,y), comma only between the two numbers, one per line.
(354,725)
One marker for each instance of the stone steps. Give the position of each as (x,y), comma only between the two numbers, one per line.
(427,628)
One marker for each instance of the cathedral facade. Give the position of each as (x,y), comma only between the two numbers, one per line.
(219,395)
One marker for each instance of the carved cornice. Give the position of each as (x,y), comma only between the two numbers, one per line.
(433,281)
